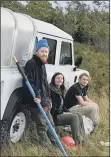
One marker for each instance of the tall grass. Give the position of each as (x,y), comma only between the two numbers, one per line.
(98,66)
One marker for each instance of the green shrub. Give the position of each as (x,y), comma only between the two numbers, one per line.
(97,64)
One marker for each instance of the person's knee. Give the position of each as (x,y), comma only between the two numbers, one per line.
(95,110)
(95,115)
(74,118)
(93,107)
(79,114)
(41,128)
(97,107)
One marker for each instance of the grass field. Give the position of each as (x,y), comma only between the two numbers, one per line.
(98,66)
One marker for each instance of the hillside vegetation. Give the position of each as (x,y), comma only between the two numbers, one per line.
(97,64)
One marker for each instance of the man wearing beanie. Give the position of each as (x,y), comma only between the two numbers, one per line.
(36,73)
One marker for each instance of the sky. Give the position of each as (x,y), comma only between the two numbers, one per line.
(62,3)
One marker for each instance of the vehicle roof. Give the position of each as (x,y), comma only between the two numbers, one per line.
(45,27)
(50,29)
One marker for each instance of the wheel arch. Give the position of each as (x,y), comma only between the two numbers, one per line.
(13,102)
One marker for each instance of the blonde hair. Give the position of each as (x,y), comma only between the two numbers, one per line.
(85,74)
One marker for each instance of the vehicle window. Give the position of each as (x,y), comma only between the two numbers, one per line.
(66,54)
(52,50)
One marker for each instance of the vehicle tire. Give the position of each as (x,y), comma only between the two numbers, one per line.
(19,125)
(3,132)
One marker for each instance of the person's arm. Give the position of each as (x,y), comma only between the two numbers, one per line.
(85,96)
(77,93)
(64,107)
(82,102)
(50,96)
(87,99)
(53,103)
(29,71)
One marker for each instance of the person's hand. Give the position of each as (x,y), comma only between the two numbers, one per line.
(37,100)
(65,112)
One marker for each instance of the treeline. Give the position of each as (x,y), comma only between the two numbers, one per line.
(78,19)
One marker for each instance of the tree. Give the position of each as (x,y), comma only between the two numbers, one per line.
(41,10)
(102,6)
(58,16)
(79,6)
(14,6)
(71,23)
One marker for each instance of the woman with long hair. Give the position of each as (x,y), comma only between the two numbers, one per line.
(60,114)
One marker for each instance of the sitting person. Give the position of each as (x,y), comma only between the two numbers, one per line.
(60,114)
(76,100)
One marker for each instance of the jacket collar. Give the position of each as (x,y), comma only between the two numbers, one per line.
(37,60)
(82,87)
(54,89)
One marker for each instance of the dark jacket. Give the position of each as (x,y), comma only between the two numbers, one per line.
(36,73)
(57,99)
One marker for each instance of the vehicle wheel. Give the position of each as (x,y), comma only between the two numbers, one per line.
(19,125)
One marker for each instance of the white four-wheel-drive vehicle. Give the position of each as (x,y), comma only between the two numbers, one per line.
(19,35)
